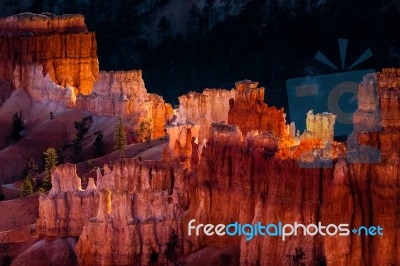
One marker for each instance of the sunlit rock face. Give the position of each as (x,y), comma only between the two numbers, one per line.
(321,126)
(60,44)
(54,59)
(249,112)
(203,109)
(123,93)
(140,203)
(66,208)
(183,143)
(236,177)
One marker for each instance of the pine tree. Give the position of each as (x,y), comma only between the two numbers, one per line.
(31,172)
(50,157)
(120,141)
(82,128)
(145,131)
(26,188)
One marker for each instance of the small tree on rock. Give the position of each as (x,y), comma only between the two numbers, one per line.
(82,127)
(120,141)
(30,172)
(50,157)
(145,131)
(26,187)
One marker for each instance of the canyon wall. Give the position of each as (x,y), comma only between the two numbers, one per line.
(237,177)
(60,44)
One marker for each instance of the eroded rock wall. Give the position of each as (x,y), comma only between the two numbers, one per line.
(60,44)
(249,112)
(203,109)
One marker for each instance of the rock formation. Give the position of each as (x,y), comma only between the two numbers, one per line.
(247,171)
(203,109)
(136,204)
(183,143)
(320,126)
(60,44)
(249,112)
(65,210)
(54,59)
(123,93)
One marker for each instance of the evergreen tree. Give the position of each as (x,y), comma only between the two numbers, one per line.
(98,144)
(144,132)
(26,188)
(50,157)
(30,172)
(120,141)
(82,127)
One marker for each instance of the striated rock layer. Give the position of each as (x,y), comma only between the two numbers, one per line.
(203,109)
(60,44)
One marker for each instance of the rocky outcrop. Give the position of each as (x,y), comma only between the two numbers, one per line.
(203,109)
(60,44)
(183,143)
(389,91)
(123,93)
(249,112)
(320,126)
(377,120)
(54,59)
(140,203)
(65,210)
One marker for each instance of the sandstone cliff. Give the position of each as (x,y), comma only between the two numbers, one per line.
(203,109)
(249,112)
(60,44)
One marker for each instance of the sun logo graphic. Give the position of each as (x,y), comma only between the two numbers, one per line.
(334,93)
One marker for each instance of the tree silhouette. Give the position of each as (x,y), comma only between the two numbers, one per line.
(30,172)
(50,157)
(82,127)
(26,187)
